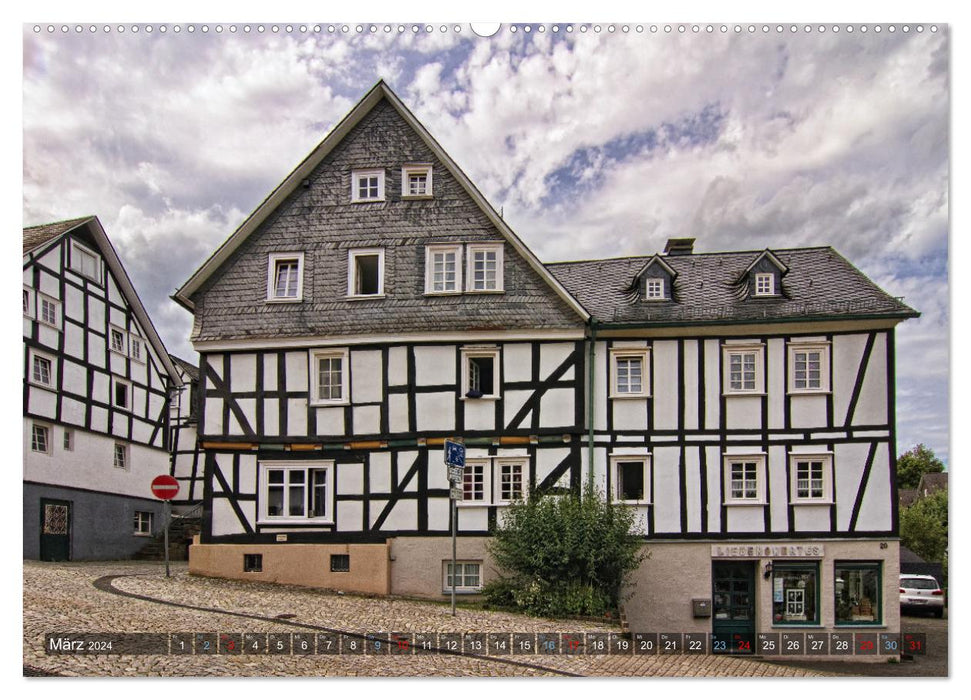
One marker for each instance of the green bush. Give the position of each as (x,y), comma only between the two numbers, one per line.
(564,555)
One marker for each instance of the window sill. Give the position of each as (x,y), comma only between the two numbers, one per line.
(449,293)
(479,398)
(463,591)
(809,392)
(318,404)
(632,503)
(368,201)
(56,327)
(363,297)
(485,291)
(630,396)
(827,502)
(744,503)
(272,522)
(730,394)
(141,534)
(473,504)
(47,387)
(284,300)
(798,625)
(416,197)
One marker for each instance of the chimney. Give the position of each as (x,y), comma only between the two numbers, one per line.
(679,246)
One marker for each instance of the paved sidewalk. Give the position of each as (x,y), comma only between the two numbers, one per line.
(62,598)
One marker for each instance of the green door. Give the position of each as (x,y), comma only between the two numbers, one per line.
(733,607)
(55,530)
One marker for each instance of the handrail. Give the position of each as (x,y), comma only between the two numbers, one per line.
(193,512)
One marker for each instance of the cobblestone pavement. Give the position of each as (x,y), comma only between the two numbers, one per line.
(62,598)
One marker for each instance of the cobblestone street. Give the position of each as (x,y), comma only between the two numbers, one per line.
(63,598)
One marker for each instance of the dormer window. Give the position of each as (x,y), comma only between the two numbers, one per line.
(367,186)
(764,284)
(654,288)
(285,277)
(416,181)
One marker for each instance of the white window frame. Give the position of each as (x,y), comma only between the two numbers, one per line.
(67,440)
(470,352)
(470,251)
(826,459)
(356,176)
(760,480)
(143,525)
(48,431)
(645,460)
(307,467)
(330,353)
(272,260)
(41,299)
(125,456)
(520,463)
(79,268)
(31,302)
(769,289)
(352,256)
(799,347)
(430,252)
(759,366)
(463,577)
(34,355)
(133,342)
(124,340)
(118,381)
(485,464)
(642,354)
(661,292)
(416,169)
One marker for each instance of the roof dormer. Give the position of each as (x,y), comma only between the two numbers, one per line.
(763,278)
(655,280)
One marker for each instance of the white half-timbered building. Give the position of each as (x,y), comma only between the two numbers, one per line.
(375,304)
(96,381)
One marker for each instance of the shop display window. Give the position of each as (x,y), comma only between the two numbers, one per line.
(795,594)
(858,593)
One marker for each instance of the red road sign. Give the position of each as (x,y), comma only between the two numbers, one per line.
(165,487)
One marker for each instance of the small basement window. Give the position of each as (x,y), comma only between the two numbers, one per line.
(253,562)
(366,273)
(340,562)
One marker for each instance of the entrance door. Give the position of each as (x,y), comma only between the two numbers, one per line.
(733,607)
(55,530)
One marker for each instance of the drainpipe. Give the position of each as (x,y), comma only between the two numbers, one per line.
(590,399)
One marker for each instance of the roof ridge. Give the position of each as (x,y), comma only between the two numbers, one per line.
(62,221)
(691,255)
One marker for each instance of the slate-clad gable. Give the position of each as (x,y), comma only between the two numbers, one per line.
(319,220)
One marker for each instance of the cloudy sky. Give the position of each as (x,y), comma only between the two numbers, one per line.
(594,144)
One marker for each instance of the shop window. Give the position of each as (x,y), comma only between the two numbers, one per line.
(795,594)
(858,593)
(340,562)
(253,562)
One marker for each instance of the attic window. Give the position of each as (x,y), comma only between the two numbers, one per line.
(285,277)
(654,288)
(764,284)
(367,186)
(85,262)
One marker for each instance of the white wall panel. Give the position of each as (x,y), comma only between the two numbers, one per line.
(435,364)
(350,513)
(242,372)
(665,387)
(435,411)
(556,408)
(551,356)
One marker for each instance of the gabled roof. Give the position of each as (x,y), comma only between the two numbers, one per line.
(37,236)
(932,481)
(657,259)
(772,258)
(821,285)
(294,180)
(191,370)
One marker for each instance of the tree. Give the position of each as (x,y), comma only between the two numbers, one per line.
(923,527)
(914,463)
(564,555)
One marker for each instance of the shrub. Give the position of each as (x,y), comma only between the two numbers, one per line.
(564,555)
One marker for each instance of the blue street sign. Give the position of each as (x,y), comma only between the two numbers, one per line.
(454,453)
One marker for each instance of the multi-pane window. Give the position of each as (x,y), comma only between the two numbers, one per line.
(511,476)
(857,589)
(744,479)
(329,376)
(135,346)
(40,438)
(764,284)
(468,576)
(121,456)
(286,277)
(367,186)
(811,477)
(41,371)
(50,311)
(365,272)
(117,340)
(631,478)
(143,522)
(743,369)
(654,288)
(485,268)
(85,262)
(480,372)
(474,481)
(416,181)
(808,367)
(796,598)
(296,491)
(443,270)
(629,372)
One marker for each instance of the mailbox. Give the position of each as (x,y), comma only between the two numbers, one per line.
(701,607)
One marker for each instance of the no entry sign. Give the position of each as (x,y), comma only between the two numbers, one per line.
(165,487)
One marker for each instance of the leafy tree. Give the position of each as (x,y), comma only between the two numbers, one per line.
(923,527)
(564,555)
(914,463)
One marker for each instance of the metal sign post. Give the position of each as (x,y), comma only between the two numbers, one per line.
(165,488)
(168,519)
(455,462)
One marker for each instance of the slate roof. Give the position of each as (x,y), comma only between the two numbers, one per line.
(929,483)
(907,497)
(36,236)
(190,369)
(709,288)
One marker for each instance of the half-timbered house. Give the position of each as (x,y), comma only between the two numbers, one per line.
(96,381)
(375,304)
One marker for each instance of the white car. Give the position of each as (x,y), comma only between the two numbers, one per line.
(921,593)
